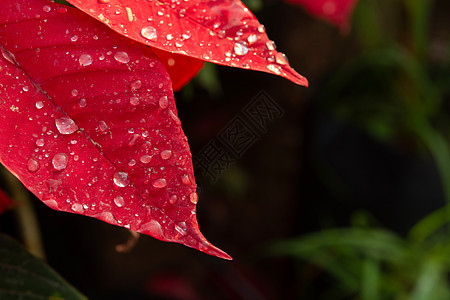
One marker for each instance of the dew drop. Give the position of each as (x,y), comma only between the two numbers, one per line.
(193,197)
(149,33)
(46,8)
(103,1)
(181,228)
(40,142)
(163,102)
(61,9)
(173,199)
(74,38)
(281,58)
(185,179)
(74,93)
(82,103)
(132,162)
(270,45)
(240,49)
(76,207)
(118,201)
(85,60)
(121,179)
(159,183)
(274,68)
(186,35)
(33,165)
(261,28)
(102,126)
(134,101)
(166,154)
(39,104)
(169,37)
(25,88)
(122,57)
(145,159)
(182,13)
(60,161)
(252,38)
(66,125)
(135,85)
(175,119)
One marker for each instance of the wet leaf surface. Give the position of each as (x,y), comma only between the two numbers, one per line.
(222,31)
(89,123)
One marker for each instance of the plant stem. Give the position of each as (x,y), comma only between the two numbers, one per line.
(25,215)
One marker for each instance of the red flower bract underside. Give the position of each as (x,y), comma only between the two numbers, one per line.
(88,123)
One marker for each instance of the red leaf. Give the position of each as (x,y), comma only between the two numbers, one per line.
(338,12)
(181,68)
(219,31)
(89,123)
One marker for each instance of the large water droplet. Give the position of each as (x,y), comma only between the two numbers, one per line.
(185,179)
(274,68)
(122,57)
(118,200)
(252,38)
(181,228)
(166,154)
(46,8)
(134,101)
(193,197)
(135,85)
(33,165)
(40,142)
(85,60)
(163,102)
(102,126)
(77,207)
(121,179)
(145,159)
(173,199)
(66,125)
(159,183)
(60,161)
(240,49)
(149,33)
(39,104)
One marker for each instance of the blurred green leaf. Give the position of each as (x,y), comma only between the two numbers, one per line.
(25,277)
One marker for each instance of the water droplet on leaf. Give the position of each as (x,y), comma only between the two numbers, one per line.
(118,201)
(33,165)
(121,179)
(159,183)
(122,57)
(60,161)
(66,125)
(85,60)
(149,33)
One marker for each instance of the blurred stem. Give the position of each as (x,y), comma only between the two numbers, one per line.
(25,215)
(370,279)
(419,12)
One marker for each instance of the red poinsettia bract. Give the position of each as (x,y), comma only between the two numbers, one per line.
(88,118)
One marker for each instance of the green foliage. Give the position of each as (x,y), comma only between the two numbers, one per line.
(396,92)
(372,263)
(23,276)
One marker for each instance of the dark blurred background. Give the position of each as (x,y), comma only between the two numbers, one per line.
(327,203)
